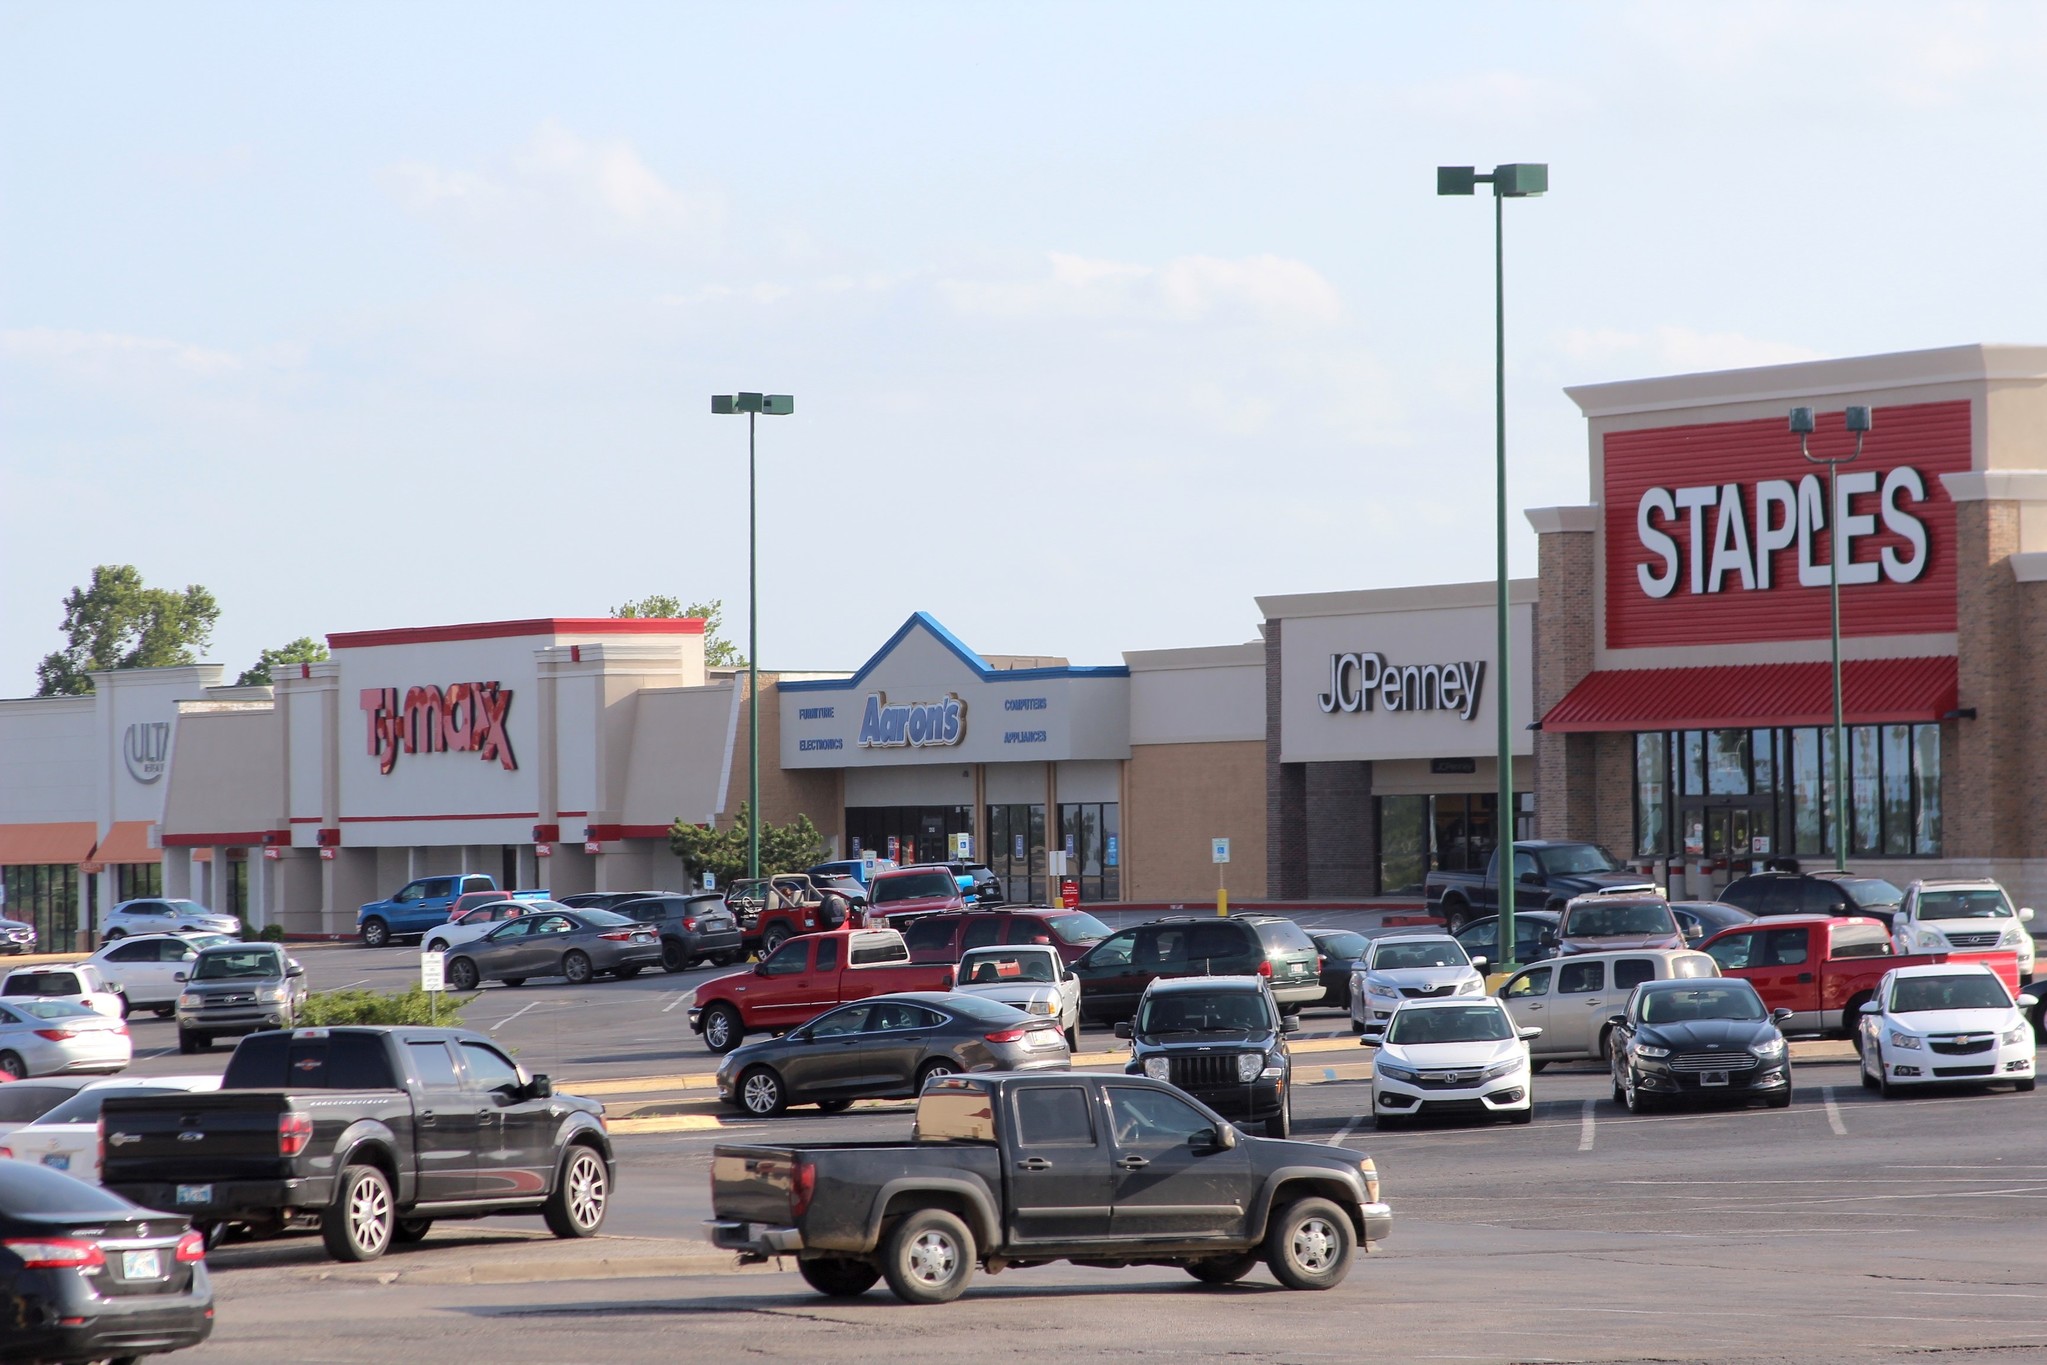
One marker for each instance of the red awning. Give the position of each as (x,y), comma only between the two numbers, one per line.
(1873,692)
(68,842)
(127,841)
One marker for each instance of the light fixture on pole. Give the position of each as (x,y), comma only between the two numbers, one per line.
(1518,180)
(1857,421)
(753,405)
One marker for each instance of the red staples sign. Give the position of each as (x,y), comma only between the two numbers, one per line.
(465,718)
(1721,533)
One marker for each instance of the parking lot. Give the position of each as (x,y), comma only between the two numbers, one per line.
(1844,1228)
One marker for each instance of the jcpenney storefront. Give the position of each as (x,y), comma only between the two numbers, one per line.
(1381,750)
(1684,685)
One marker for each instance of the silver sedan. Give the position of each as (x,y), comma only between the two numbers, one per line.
(575,944)
(56,1037)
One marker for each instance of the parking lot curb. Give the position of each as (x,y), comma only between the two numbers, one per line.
(619,1263)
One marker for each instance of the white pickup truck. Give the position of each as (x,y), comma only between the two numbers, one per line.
(1030,978)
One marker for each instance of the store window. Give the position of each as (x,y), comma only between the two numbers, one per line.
(45,895)
(1093,839)
(1403,844)
(135,880)
(1465,830)
(1016,851)
(919,832)
(1652,794)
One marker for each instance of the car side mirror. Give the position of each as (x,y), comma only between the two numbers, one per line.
(117,988)
(1872,1007)
(1123,1030)
(1778,1016)
(1479,964)
(178,976)
(2025,912)
(1527,1033)
(540,1088)
(801,1035)
(1289,1026)
(1531,879)
(1617,1020)
(1222,1139)
(294,970)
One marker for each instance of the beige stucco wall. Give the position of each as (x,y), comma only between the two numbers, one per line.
(1181,797)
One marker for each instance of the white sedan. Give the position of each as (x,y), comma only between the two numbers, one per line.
(1944,1023)
(67,1138)
(1462,1056)
(1408,967)
(474,924)
(78,982)
(1032,979)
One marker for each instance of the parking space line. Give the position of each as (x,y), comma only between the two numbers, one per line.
(1586,1125)
(510,1017)
(1833,1112)
(677,1000)
(1346,1131)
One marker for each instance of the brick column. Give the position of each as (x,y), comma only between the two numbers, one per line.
(1286,794)
(1342,853)
(1567,770)
(1981,791)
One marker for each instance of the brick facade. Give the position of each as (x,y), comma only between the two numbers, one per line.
(1983,814)
(1566,804)
(1341,844)
(819,793)
(1180,797)
(1286,794)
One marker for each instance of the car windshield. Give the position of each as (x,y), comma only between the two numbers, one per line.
(1344,945)
(1078,927)
(1434,952)
(218,964)
(985,1011)
(1675,1006)
(1872,891)
(208,940)
(1564,862)
(1203,1012)
(1963,991)
(1451,1024)
(42,983)
(914,886)
(993,967)
(187,908)
(1986,903)
(1604,921)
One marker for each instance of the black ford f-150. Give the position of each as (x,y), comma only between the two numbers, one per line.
(1547,873)
(1012,1171)
(370,1134)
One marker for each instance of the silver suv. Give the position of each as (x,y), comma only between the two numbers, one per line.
(238,988)
(1963,914)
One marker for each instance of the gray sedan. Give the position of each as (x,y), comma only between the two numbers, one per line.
(576,944)
(53,1037)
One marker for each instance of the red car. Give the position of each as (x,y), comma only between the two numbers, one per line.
(805,977)
(915,891)
(947,936)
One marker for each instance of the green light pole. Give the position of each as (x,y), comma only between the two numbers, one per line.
(1519,180)
(753,405)
(1857,421)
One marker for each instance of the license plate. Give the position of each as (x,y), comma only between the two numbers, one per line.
(195,1194)
(1044,1038)
(1712,1078)
(1300,969)
(58,1161)
(643,938)
(142,1265)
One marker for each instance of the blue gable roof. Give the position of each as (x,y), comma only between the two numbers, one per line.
(966,656)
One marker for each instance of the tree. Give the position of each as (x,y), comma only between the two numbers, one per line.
(304,650)
(718,651)
(784,848)
(119,623)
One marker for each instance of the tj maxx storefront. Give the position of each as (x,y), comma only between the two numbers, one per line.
(1682,677)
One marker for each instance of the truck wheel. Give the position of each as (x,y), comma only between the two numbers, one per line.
(375,933)
(1309,1245)
(1281,1125)
(773,937)
(576,967)
(462,974)
(1456,914)
(1851,1021)
(838,1277)
(407,1231)
(673,959)
(358,1225)
(929,1257)
(581,1194)
(722,1028)
(1222,1269)
(1073,1039)
(189,1042)
(762,1094)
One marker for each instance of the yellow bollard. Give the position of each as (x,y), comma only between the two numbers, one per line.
(1222,902)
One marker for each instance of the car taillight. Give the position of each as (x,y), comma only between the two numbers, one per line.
(622,935)
(57,1253)
(802,1187)
(56,1035)
(1265,967)
(191,1247)
(1008,1035)
(7,1153)
(294,1131)
(689,924)
(1319,960)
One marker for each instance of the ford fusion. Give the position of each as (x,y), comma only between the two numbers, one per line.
(1452,1057)
(1686,1039)
(1409,967)
(1944,1023)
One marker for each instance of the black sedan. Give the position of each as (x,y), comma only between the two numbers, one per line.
(575,944)
(1692,1038)
(86,1275)
(887,1047)
(1700,920)
(1481,937)
(1340,949)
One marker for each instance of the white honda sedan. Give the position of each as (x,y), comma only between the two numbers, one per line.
(1944,1024)
(1452,1056)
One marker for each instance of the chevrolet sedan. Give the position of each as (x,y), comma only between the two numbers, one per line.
(1944,1023)
(573,944)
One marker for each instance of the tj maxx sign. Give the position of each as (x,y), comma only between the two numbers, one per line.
(460,718)
(1723,532)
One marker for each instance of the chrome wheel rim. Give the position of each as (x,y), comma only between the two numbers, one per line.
(1314,1245)
(374,935)
(933,1257)
(762,1094)
(935,1070)
(586,1190)
(717,1031)
(369,1215)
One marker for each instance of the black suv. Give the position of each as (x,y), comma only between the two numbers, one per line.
(693,929)
(1813,893)
(1115,972)
(1222,1040)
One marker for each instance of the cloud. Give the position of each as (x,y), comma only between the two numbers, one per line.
(1671,349)
(100,354)
(1265,290)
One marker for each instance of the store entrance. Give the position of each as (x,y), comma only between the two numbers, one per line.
(1725,839)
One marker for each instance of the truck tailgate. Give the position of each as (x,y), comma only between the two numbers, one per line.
(154,1138)
(753,1184)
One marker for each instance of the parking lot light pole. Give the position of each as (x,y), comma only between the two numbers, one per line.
(1857,420)
(1519,180)
(753,405)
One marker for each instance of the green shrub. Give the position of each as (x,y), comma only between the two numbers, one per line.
(327,1008)
(272,933)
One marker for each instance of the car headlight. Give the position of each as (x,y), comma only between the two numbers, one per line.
(188,1002)
(1040,1007)
(1650,1050)
(1249,1064)
(1382,990)
(2017,1035)
(1393,1072)
(1158,1068)
(1773,1048)
(275,995)
(1905,1040)
(1493,1073)
(1473,987)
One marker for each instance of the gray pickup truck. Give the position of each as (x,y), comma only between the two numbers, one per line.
(1547,874)
(1003,1172)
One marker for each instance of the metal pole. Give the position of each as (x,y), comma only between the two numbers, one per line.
(753,669)
(1503,687)
(1839,809)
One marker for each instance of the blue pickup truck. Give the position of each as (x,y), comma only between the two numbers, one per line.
(1547,873)
(418,907)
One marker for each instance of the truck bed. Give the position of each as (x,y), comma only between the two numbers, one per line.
(756,1183)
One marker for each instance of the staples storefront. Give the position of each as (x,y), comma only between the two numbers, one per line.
(1685,685)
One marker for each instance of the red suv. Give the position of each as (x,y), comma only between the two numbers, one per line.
(947,937)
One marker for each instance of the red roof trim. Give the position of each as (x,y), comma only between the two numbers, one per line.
(606,834)
(1874,692)
(499,630)
(240,840)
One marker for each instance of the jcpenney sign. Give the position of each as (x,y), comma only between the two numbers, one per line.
(1357,680)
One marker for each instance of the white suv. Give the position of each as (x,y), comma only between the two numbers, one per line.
(1962,914)
(157,915)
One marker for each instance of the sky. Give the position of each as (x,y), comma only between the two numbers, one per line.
(1102,319)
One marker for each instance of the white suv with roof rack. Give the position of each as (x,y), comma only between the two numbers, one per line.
(1963,914)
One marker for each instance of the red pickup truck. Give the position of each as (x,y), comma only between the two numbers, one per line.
(805,977)
(1823,968)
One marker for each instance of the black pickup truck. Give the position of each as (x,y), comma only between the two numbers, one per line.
(370,1134)
(1014,1171)
(1547,873)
